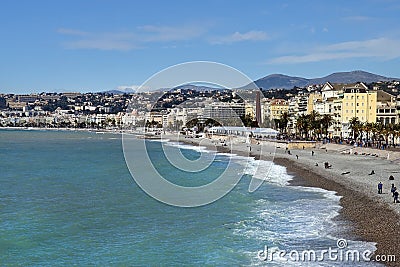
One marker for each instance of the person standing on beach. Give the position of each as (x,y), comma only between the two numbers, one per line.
(380,186)
(297,156)
(312,153)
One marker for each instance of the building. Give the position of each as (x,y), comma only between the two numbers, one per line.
(359,102)
(224,111)
(278,107)
(386,108)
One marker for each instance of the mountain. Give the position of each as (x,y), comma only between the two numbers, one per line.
(351,77)
(281,81)
(288,82)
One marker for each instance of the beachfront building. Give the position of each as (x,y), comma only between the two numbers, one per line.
(312,99)
(261,133)
(266,110)
(224,112)
(386,108)
(250,110)
(359,102)
(298,105)
(278,107)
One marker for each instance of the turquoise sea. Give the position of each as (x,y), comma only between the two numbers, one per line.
(68,199)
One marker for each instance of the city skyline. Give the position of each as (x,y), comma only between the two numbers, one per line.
(99,45)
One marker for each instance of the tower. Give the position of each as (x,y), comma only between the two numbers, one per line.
(258,108)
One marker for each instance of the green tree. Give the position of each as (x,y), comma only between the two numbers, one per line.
(355,126)
(326,121)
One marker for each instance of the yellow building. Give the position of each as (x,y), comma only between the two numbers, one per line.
(250,110)
(278,107)
(312,98)
(360,103)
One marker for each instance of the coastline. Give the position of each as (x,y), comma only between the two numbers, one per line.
(373,223)
(373,217)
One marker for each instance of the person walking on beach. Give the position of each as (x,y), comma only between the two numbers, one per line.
(297,156)
(393,190)
(380,186)
(312,153)
(396,197)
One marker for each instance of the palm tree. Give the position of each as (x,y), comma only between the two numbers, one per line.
(326,122)
(314,123)
(355,126)
(283,122)
(367,127)
(302,125)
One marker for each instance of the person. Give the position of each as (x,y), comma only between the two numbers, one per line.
(396,197)
(380,186)
(372,172)
(316,164)
(312,153)
(391,177)
(297,156)
(393,189)
(303,147)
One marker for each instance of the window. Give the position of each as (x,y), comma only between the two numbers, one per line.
(347,111)
(362,111)
(362,104)
(357,97)
(347,104)
(358,104)
(357,110)
(362,97)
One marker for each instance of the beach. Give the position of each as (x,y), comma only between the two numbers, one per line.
(374,217)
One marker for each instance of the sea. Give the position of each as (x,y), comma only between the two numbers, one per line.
(68,199)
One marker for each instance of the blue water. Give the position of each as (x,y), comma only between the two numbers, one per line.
(67,198)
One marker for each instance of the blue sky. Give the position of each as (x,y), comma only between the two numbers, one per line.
(101,45)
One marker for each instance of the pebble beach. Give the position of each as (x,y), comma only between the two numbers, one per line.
(375,218)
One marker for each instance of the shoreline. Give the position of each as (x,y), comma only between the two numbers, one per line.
(372,223)
(372,217)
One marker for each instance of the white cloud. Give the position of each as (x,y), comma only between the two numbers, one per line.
(165,33)
(357,18)
(383,48)
(239,37)
(71,32)
(128,40)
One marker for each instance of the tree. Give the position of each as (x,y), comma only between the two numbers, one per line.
(283,122)
(326,122)
(314,122)
(302,125)
(367,128)
(355,126)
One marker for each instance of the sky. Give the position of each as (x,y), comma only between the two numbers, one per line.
(87,45)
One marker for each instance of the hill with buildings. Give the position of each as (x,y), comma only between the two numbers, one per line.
(288,82)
